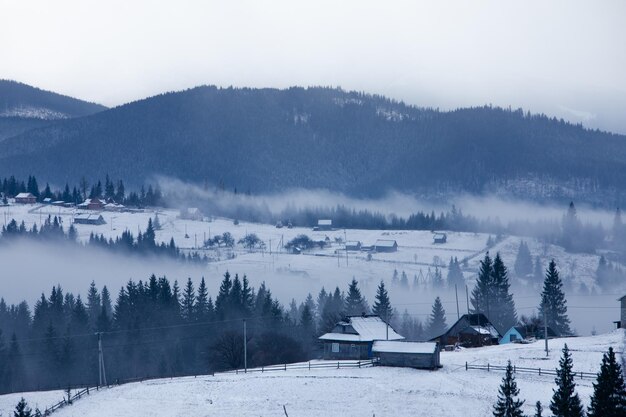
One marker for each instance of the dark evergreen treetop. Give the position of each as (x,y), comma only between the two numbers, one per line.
(553,302)
(508,405)
(355,302)
(382,304)
(437,321)
(609,391)
(565,401)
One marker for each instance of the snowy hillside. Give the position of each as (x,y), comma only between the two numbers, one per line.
(355,392)
(294,276)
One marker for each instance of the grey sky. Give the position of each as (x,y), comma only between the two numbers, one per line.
(563,58)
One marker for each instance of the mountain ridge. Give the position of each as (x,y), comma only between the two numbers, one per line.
(267,140)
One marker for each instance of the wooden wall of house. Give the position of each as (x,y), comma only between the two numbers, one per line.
(410,360)
(347,351)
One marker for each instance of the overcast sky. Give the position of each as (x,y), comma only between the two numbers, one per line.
(563,58)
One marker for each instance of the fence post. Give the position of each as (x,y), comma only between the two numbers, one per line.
(487,366)
(262,369)
(539,371)
(466,366)
(514,369)
(309,365)
(337,364)
(285,367)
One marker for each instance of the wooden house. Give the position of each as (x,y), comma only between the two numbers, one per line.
(471,330)
(622,320)
(384,245)
(353,245)
(191,213)
(92,204)
(25,198)
(354,336)
(440,238)
(324,225)
(420,355)
(89,218)
(521,334)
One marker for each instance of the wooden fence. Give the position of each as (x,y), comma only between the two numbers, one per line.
(519,369)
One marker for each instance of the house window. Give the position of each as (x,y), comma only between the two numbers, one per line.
(512,338)
(335,347)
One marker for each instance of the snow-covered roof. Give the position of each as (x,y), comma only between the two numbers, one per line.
(385,243)
(24,195)
(403,347)
(368,329)
(87,216)
(324,222)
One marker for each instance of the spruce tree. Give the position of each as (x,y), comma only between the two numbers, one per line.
(22,409)
(382,304)
(553,302)
(538,409)
(565,401)
(502,306)
(201,308)
(455,275)
(609,391)
(355,303)
(508,405)
(523,262)
(437,320)
(187,303)
(481,294)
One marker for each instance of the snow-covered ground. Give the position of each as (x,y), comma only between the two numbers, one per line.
(380,391)
(293,276)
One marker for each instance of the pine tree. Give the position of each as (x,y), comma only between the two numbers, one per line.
(523,262)
(355,303)
(503,314)
(609,391)
(553,302)
(201,309)
(565,401)
(538,409)
(507,404)
(187,303)
(382,304)
(22,409)
(481,294)
(437,320)
(455,275)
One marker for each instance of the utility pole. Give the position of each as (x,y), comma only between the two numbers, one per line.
(545,329)
(467,299)
(245,347)
(456,294)
(387,324)
(345,240)
(101,370)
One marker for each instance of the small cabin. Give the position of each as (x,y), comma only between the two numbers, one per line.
(354,336)
(440,238)
(353,245)
(384,245)
(25,198)
(521,334)
(324,225)
(419,355)
(88,218)
(92,204)
(191,213)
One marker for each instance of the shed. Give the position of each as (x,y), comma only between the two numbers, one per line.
(324,225)
(384,245)
(353,337)
(440,238)
(420,355)
(471,330)
(89,218)
(25,198)
(92,204)
(47,200)
(353,245)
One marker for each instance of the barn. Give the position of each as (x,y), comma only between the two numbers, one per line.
(25,198)
(324,225)
(354,336)
(86,218)
(471,330)
(384,245)
(440,238)
(354,245)
(419,355)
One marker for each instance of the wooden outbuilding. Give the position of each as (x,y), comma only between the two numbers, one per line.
(89,218)
(354,336)
(471,330)
(25,198)
(440,238)
(420,355)
(385,245)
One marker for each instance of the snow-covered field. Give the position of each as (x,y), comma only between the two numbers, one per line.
(380,391)
(294,276)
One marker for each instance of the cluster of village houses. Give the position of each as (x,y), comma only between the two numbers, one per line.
(370,337)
